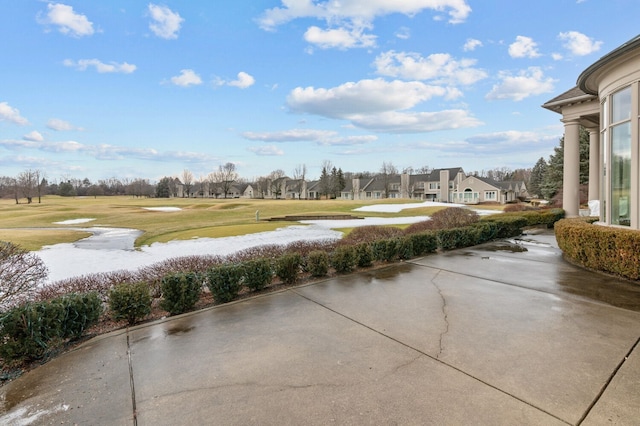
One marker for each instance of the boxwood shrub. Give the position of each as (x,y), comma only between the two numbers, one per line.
(601,248)
(130,301)
(180,292)
(364,255)
(343,259)
(225,281)
(317,263)
(288,267)
(257,273)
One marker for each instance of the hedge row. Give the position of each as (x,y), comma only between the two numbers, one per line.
(601,248)
(33,330)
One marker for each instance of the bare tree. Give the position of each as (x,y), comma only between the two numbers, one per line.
(387,171)
(187,181)
(21,272)
(300,175)
(226,176)
(28,181)
(275,182)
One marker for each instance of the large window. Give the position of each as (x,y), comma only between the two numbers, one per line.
(490,195)
(620,187)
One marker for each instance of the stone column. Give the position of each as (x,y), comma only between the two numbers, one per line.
(571,177)
(594,163)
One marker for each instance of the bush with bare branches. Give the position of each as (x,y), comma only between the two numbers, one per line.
(20,274)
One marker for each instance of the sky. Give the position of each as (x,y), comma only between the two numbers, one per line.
(137,89)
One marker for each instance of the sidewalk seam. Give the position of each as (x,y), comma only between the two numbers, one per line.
(607,383)
(131,382)
(431,357)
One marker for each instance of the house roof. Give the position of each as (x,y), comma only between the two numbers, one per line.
(585,81)
(572,96)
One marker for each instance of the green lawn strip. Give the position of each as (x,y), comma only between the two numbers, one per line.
(35,239)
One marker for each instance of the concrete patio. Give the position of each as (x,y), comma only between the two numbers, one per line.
(504,333)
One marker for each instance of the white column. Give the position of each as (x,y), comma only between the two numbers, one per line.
(594,163)
(571,177)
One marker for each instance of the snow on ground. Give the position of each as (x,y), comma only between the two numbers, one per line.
(74,221)
(163,209)
(112,249)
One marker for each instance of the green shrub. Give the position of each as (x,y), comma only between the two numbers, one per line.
(318,263)
(423,243)
(364,255)
(288,267)
(449,239)
(405,248)
(81,311)
(180,292)
(343,259)
(225,282)
(130,301)
(257,273)
(602,248)
(508,225)
(385,250)
(29,331)
(486,231)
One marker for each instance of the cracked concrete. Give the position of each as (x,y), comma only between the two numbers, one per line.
(520,337)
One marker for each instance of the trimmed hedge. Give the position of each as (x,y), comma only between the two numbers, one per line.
(180,292)
(130,301)
(344,259)
(225,282)
(33,330)
(288,267)
(601,248)
(258,273)
(317,263)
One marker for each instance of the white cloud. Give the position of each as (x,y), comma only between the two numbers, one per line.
(34,136)
(101,67)
(362,97)
(243,81)
(505,143)
(186,78)
(320,137)
(579,44)
(529,82)
(416,122)
(68,21)
(471,44)
(557,56)
(363,11)
(524,47)
(293,135)
(165,22)
(404,33)
(11,114)
(269,150)
(61,125)
(439,67)
(340,38)
(375,105)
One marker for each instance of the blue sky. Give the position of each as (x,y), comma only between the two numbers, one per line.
(133,89)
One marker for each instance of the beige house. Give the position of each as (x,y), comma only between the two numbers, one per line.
(606,101)
(475,190)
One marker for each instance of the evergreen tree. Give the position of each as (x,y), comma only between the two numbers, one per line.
(552,181)
(325,182)
(537,177)
(163,188)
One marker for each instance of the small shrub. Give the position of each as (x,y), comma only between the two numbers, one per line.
(385,250)
(130,301)
(423,243)
(343,259)
(364,255)
(225,281)
(369,234)
(318,263)
(405,248)
(257,273)
(507,225)
(29,331)
(519,207)
(453,217)
(288,267)
(81,311)
(180,292)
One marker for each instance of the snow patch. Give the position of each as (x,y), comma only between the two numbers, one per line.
(163,209)
(74,221)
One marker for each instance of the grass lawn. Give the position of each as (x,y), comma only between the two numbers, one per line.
(33,225)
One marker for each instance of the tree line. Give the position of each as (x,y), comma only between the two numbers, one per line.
(543,180)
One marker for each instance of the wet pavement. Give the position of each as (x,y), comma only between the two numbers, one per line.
(505,333)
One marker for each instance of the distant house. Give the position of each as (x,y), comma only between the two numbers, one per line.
(475,190)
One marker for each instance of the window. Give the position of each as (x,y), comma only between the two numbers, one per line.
(490,195)
(620,160)
(434,185)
